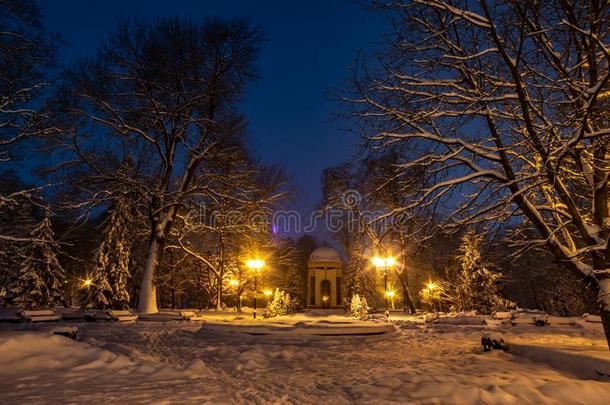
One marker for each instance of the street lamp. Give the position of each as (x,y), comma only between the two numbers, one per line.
(432,288)
(383,263)
(256,265)
(233,282)
(390,294)
(268,294)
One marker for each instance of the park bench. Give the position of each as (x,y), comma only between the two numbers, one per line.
(72,314)
(44,315)
(592,318)
(123,315)
(190,316)
(112,315)
(12,315)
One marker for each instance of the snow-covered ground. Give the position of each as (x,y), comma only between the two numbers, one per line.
(180,362)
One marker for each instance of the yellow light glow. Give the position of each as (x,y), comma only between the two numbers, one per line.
(268,293)
(383,261)
(390,294)
(233,282)
(431,286)
(255,264)
(87,282)
(325,298)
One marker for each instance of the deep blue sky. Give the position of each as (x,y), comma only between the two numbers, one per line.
(311,46)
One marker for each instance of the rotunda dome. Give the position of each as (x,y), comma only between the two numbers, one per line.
(325,254)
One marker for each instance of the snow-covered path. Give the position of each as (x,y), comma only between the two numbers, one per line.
(178,363)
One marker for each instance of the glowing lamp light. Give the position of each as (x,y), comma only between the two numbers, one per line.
(255,264)
(87,283)
(431,286)
(325,298)
(390,294)
(383,261)
(233,282)
(268,293)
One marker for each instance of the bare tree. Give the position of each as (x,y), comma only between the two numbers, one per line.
(160,95)
(27,53)
(222,231)
(503,105)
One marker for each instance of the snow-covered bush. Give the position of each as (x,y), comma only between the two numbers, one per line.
(282,304)
(359,307)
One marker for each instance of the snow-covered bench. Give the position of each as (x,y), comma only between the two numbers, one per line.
(124,315)
(12,315)
(190,316)
(529,317)
(45,315)
(503,315)
(592,318)
(112,315)
(72,314)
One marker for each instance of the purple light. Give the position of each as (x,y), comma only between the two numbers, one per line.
(274,229)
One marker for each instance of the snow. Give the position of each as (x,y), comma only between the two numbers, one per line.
(188,362)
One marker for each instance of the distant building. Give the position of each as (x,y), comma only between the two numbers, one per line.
(324,281)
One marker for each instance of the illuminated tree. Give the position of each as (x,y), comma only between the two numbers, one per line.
(162,95)
(501,105)
(474,286)
(432,295)
(359,307)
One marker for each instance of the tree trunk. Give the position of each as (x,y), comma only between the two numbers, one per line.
(603,297)
(219,293)
(408,301)
(147,304)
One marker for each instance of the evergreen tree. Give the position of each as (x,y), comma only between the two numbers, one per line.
(359,307)
(110,275)
(282,304)
(476,286)
(40,280)
(293,283)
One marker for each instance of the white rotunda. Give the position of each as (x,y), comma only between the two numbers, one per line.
(324,281)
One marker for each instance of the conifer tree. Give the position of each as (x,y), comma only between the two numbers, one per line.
(282,304)
(476,286)
(40,280)
(359,307)
(110,274)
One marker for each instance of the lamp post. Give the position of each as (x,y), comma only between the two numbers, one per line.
(255,265)
(432,288)
(235,284)
(384,263)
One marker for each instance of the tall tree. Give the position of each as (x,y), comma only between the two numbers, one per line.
(502,104)
(474,285)
(27,52)
(41,278)
(163,96)
(110,273)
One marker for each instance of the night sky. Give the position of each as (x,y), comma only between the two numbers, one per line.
(310,47)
